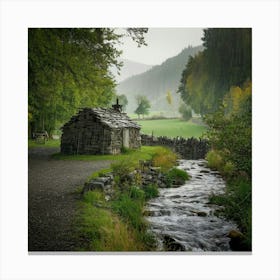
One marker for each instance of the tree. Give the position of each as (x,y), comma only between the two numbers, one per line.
(122,101)
(143,106)
(169,98)
(225,62)
(68,68)
(185,111)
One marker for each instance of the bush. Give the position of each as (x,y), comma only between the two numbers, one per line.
(215,160)
(164,158)
(151,191)
(185,111)
(136,194)
(237,206)
(176,176)
(121,171)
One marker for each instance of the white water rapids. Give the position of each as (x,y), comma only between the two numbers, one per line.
(185,215)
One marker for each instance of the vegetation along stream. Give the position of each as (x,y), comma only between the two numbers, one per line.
(183,219)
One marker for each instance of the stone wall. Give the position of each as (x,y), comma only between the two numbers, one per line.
(134,138)
(190,148)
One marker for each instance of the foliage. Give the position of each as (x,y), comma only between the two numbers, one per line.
(177,174)
(68,68)
(169,98)
(129,206)
(99,229)
(118,225)
(217,160)
(237,202)
(157,81)
(231,134)
(164,158)
(121,171)
(151,191)
(145,153)
(143,106)
(185,111)
(48,144)
(225,62)
(172,128)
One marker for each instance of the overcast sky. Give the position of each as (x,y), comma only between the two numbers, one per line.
(162,44)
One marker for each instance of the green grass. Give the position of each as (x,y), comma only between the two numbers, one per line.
(144,153)
(98,228)
(48,144)
(237,206)
(172,128)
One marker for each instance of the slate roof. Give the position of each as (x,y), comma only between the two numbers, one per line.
(108,117)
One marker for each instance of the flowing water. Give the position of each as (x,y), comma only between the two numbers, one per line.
(184,215)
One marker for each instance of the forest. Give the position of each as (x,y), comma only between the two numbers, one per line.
(217,84)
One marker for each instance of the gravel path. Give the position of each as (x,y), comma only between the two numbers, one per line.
(52,200)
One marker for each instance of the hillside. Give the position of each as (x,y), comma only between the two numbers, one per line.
(130,68)
(155,82)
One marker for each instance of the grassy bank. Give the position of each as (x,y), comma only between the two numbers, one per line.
(237,200)
(143,153)
(118,224)
(171,128)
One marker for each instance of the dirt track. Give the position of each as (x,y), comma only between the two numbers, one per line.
(52,200)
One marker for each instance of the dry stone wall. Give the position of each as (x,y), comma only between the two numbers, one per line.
(190,148)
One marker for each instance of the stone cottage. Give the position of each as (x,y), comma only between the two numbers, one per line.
(100,131)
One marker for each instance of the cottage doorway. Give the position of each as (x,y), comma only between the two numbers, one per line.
(126,138)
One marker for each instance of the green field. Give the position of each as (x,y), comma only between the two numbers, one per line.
(171,128)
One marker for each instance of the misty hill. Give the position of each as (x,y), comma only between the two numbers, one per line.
(130,68)
(157,81)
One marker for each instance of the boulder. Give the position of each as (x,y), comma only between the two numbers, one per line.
(201,214)
(237,241)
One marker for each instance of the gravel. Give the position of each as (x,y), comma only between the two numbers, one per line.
(53,197)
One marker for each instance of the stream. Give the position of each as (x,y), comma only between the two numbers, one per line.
(183,216)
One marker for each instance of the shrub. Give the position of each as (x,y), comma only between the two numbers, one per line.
(177,176)
(121,171)
(237,206)
(151,191)
(136,194)
(228,169)
(215,160)
(164,158)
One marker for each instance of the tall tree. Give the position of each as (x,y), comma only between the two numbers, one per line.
(68,68)
(225,62)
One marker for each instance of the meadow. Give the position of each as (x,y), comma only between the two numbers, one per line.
(171,128)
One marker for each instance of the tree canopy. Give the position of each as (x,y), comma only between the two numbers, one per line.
(68,68)
(225,62)
(143,106)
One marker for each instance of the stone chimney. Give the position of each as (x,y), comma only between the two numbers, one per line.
(117,107)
